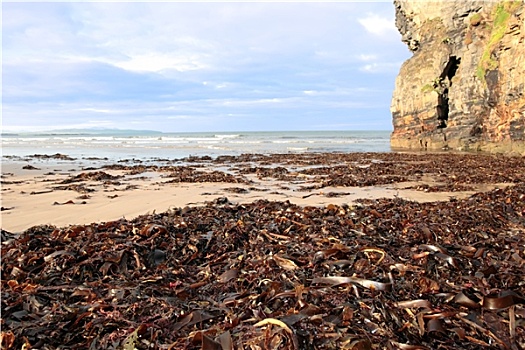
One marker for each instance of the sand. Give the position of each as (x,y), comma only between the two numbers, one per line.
(31,197)
(384,273)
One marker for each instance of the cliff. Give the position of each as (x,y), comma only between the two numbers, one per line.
(464,86)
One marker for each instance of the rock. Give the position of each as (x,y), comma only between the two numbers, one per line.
(464,86)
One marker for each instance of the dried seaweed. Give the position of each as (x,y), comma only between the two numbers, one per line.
(56,156)
(385,273)
(80,188)
(188,174)
(91,176)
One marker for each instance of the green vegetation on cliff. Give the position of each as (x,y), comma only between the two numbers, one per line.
(502,13)
(475,20)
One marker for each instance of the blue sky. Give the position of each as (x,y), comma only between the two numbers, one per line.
(199,66)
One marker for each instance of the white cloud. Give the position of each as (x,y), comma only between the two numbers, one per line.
(179,117)
(158,62)
(381,67)
(96,110)
(367,58)
(184,37)
(338,92)
(193,59)
(217,85)
(378,25)
(283,102)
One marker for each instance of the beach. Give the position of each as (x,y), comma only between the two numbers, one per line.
(253,175)
(357,250)
(60,190)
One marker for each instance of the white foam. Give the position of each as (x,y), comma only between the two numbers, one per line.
(298,149)
(184,144)
(232,136)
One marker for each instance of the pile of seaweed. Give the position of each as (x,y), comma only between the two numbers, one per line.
(381,274)
(455,172)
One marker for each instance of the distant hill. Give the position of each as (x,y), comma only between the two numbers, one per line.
(88,131)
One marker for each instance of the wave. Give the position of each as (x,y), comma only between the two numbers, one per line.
(204,143)
(227,136)
(298,149)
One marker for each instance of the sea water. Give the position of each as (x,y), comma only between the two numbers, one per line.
(119,144)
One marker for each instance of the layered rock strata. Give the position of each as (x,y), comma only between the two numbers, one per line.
(464,86)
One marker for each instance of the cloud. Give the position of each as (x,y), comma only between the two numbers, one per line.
(378,25)
(367,58)
(155,62)
(96,110)
(197,65)
(179,117)
(381,67)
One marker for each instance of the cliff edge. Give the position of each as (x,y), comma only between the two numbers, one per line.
(464,86)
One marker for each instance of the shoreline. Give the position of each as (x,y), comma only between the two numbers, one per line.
(59,190)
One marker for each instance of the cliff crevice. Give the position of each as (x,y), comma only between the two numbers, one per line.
(464,86)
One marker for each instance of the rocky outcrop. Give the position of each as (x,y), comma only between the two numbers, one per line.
(464,86)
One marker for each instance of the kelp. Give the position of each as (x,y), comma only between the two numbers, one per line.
(386,273)
(378,274)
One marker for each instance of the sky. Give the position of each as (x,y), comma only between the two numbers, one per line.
(199,66)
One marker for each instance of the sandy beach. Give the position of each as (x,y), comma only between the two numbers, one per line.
(344,175)
(50,191)
(355,250)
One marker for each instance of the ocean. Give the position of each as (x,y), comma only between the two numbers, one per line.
(125,144)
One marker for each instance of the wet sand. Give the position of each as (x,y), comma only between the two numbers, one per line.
(59,191)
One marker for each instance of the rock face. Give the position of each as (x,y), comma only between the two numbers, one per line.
(464,86)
